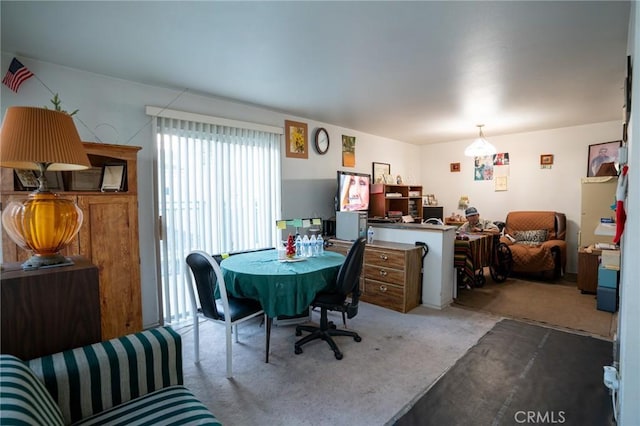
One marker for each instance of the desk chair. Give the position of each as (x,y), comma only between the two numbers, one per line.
(226,310)
(347,282)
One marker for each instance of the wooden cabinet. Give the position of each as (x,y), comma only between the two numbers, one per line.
(395,201)
(50,310)
(588,271)
(108,237)
(390,274)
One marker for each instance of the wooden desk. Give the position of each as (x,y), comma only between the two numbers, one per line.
(49,310)
(588,270)
(449,221)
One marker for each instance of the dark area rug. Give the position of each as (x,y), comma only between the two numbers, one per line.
(519,373)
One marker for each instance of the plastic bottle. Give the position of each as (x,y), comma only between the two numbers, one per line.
(298,245)
(313,246)
(370,234)
(305,246)
(320,243)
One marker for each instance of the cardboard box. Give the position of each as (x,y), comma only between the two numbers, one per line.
(610,259)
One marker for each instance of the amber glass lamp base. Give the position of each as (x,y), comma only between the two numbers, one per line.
(43,224)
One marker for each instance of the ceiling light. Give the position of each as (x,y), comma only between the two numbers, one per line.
(480,147)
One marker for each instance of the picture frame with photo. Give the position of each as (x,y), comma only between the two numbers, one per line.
(85,180)
(379,170)
(546,159)
(54,181)
(26,179)
(296,140)
(603,159)
(113,177)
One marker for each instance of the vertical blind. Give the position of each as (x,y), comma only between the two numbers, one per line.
(218,191)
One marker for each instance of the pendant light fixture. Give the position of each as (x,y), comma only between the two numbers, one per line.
(480,147)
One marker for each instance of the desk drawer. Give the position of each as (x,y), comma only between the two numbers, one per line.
(393,276)
(383,294)
(386,258)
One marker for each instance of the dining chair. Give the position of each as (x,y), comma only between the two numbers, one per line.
(336,299)
(227,310)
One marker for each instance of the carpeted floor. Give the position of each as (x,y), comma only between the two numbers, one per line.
(518,372)
(557,303)
(399,357)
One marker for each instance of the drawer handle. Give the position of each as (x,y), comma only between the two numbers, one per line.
(383,272)
(383,288)
(384,257)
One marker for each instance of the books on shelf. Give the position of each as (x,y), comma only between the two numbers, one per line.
(414,194)
(393,194)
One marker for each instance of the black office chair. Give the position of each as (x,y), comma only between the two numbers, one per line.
(347,283)
(434,221)
(227,310)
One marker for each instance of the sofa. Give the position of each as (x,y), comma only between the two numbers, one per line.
(537,242)
(131,380)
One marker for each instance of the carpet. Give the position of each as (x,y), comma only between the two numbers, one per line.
(400,356)
(521,373)
(558,304)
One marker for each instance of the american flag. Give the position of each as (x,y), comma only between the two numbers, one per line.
(16,75)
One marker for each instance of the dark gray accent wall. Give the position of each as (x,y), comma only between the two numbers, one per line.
(303,198)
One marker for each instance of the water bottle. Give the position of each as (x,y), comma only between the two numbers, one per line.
(313,246)
(370,233)
(298,246)
(305,246)
(320,243)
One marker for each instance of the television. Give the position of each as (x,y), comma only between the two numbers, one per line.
(353,191)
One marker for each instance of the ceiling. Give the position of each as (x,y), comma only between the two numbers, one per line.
(420,72)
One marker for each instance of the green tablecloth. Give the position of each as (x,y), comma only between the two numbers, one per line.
(283,288)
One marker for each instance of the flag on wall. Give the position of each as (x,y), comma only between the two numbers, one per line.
(16,75)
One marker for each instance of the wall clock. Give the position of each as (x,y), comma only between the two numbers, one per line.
(322,141)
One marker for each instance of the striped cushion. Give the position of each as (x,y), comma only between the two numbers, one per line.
(23,399)
(94,378)
(174,405)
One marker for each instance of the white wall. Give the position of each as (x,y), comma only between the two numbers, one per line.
(629,316)
(529,186)
(112,111)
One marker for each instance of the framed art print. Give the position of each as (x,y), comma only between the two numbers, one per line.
(603,159)
(113,177)
(379,170)
(295,136)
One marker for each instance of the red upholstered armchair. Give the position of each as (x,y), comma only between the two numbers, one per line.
(537,241)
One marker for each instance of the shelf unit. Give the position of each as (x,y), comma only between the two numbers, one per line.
(395,201)
(108,237)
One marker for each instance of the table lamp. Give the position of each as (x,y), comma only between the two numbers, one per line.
(41,139)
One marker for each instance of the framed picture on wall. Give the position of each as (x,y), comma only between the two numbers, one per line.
(379,170)
(295,134)
(603,159)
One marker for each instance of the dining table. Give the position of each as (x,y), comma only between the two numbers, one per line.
(283,286)
(472,252)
